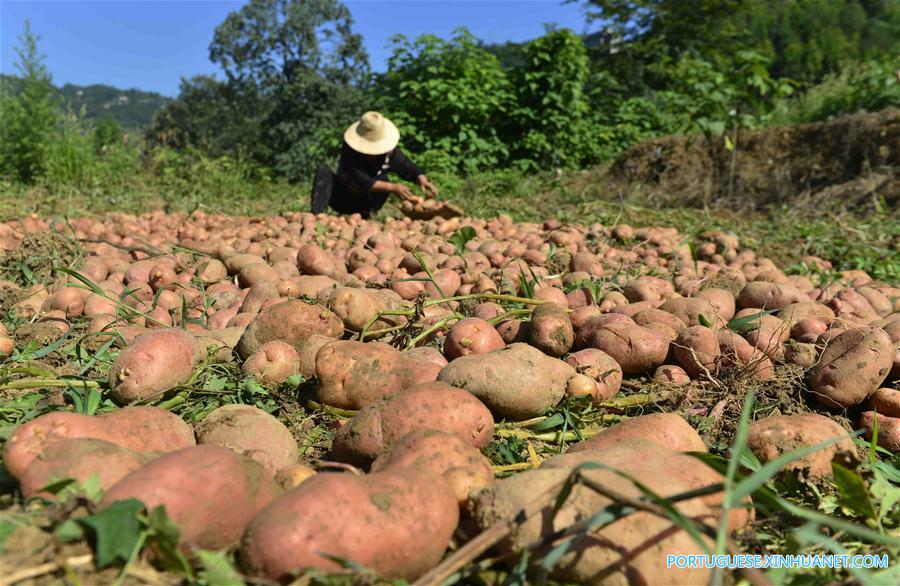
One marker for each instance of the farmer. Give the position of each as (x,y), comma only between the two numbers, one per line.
(368,154)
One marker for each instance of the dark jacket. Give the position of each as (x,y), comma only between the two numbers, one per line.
(358,172)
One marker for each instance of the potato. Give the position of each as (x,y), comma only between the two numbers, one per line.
(768,334)
(803,355)
(252,432)
(795,312)
(398,523)
(272,364)
(220,343)
(80,459)
(212,271)
(738,354)
(428,354)
(152,364)
(635,454)
(307,351)
(635,348)
(646,317)
(852,367)
(142,429)
(471,336)
(775,435)
(601,368)
(886,402)
(294,475)
(631,550)
(672,375)
(669,430)
(888,429)
(514,331)
(721,299)
(291,321)
(427,406)
(518,381)
(353,375)
(355,307)
(697,350)
(551,330)
(690,309)
(312,260)
(766,295)
(437,453)
(210,492)
(808,330)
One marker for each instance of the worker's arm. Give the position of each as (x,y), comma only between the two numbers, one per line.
(401,191)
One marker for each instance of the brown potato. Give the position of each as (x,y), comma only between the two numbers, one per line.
(151,364)
(398,523)
(353,375)
(551,330)
(518,381)
(671,374)
(690,309)
(722,300)
(471,336)
(766,295)
(852,367)
(197,485)
(427,406)
(312,260)
(775,435)
(738,354)
(646,317)
(513,331)
(355,307)
(886,402)
(252,432)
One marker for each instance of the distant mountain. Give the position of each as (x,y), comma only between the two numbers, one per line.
(132,109)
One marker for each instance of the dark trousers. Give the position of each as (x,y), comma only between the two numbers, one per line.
(343,200)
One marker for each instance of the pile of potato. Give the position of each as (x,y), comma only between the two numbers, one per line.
(432,339)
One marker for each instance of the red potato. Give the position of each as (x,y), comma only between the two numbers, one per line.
(152,364)
(272,364)
(471,336)
(196,485)
(690,309)
(668,430)
(427,406)
(722,300)
(888,429)
(551,330)
(514,331)
(635,348)
(672,375)
(518,381)
(766,295)
(312,260)
(647,317)
(886,402)
(852,367)
(463,466)
(142,429)
(601,368)
(80,459)
(252,432)
(697,350)
(775,435)
(397,523)
(7,346)
(738,354)
(291,321)
(768,334)
(353,375)
(355,307)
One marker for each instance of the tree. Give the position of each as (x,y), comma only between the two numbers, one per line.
(27,119)
(551,116)
(295,76)
(449,99)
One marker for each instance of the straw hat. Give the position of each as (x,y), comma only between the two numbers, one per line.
(372,134)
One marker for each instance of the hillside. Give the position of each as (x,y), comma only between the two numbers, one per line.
(133,109)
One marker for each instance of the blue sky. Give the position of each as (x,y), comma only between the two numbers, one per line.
(151,45)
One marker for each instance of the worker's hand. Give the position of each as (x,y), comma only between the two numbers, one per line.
(428,188)
(402,191)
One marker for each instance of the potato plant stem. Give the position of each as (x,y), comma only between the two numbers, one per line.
(636,400)
(342,413)
(489,296)
(428,331)
(49,383)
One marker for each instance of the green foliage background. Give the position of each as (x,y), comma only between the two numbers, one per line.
(296,73)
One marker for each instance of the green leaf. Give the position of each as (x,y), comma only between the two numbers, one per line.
(116,531)
(748,323)
(69,530)
(853,491)
(703,321)
(461,237)
(217,570)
